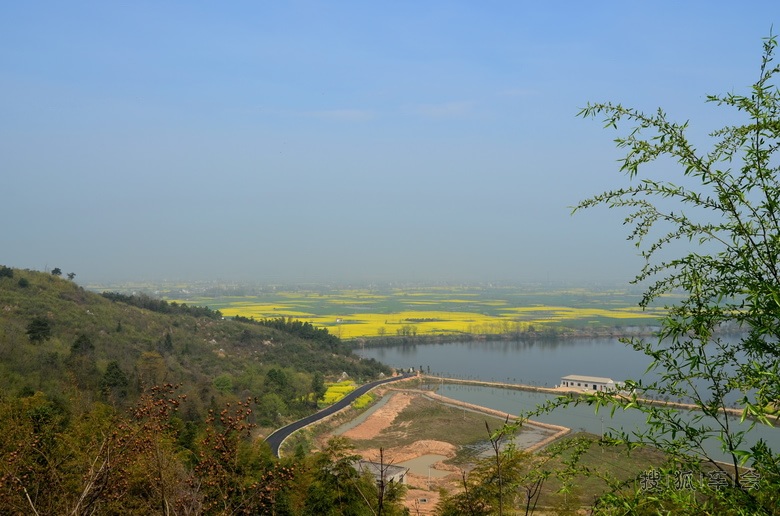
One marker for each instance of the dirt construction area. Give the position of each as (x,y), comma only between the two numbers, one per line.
(435,437)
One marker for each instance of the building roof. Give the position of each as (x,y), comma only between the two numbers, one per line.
(375,468)
(588,379)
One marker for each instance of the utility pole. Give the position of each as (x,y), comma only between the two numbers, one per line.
(602,435)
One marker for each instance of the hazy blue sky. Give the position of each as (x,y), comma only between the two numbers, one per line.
(340,141)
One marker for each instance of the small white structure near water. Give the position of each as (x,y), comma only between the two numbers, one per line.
(391,473)
(589,383)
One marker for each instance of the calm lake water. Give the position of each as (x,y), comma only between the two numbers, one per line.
(541,363)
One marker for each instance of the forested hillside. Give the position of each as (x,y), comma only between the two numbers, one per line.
(121,404)
(57,338)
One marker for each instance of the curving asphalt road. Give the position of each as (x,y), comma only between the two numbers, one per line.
(276,439)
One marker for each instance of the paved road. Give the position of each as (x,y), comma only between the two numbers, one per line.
(275,439)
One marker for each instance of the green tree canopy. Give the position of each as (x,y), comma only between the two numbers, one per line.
(39,329)
(114,382)
(82,345)
(318,387)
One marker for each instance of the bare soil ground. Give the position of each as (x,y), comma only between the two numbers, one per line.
(381,419)
(410,425)
(420,499)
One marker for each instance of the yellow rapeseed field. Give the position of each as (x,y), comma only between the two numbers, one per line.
(336,391)
(355,313)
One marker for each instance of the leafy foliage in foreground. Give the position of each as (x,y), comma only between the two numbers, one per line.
(561,478)
(143,461)
(716,238)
